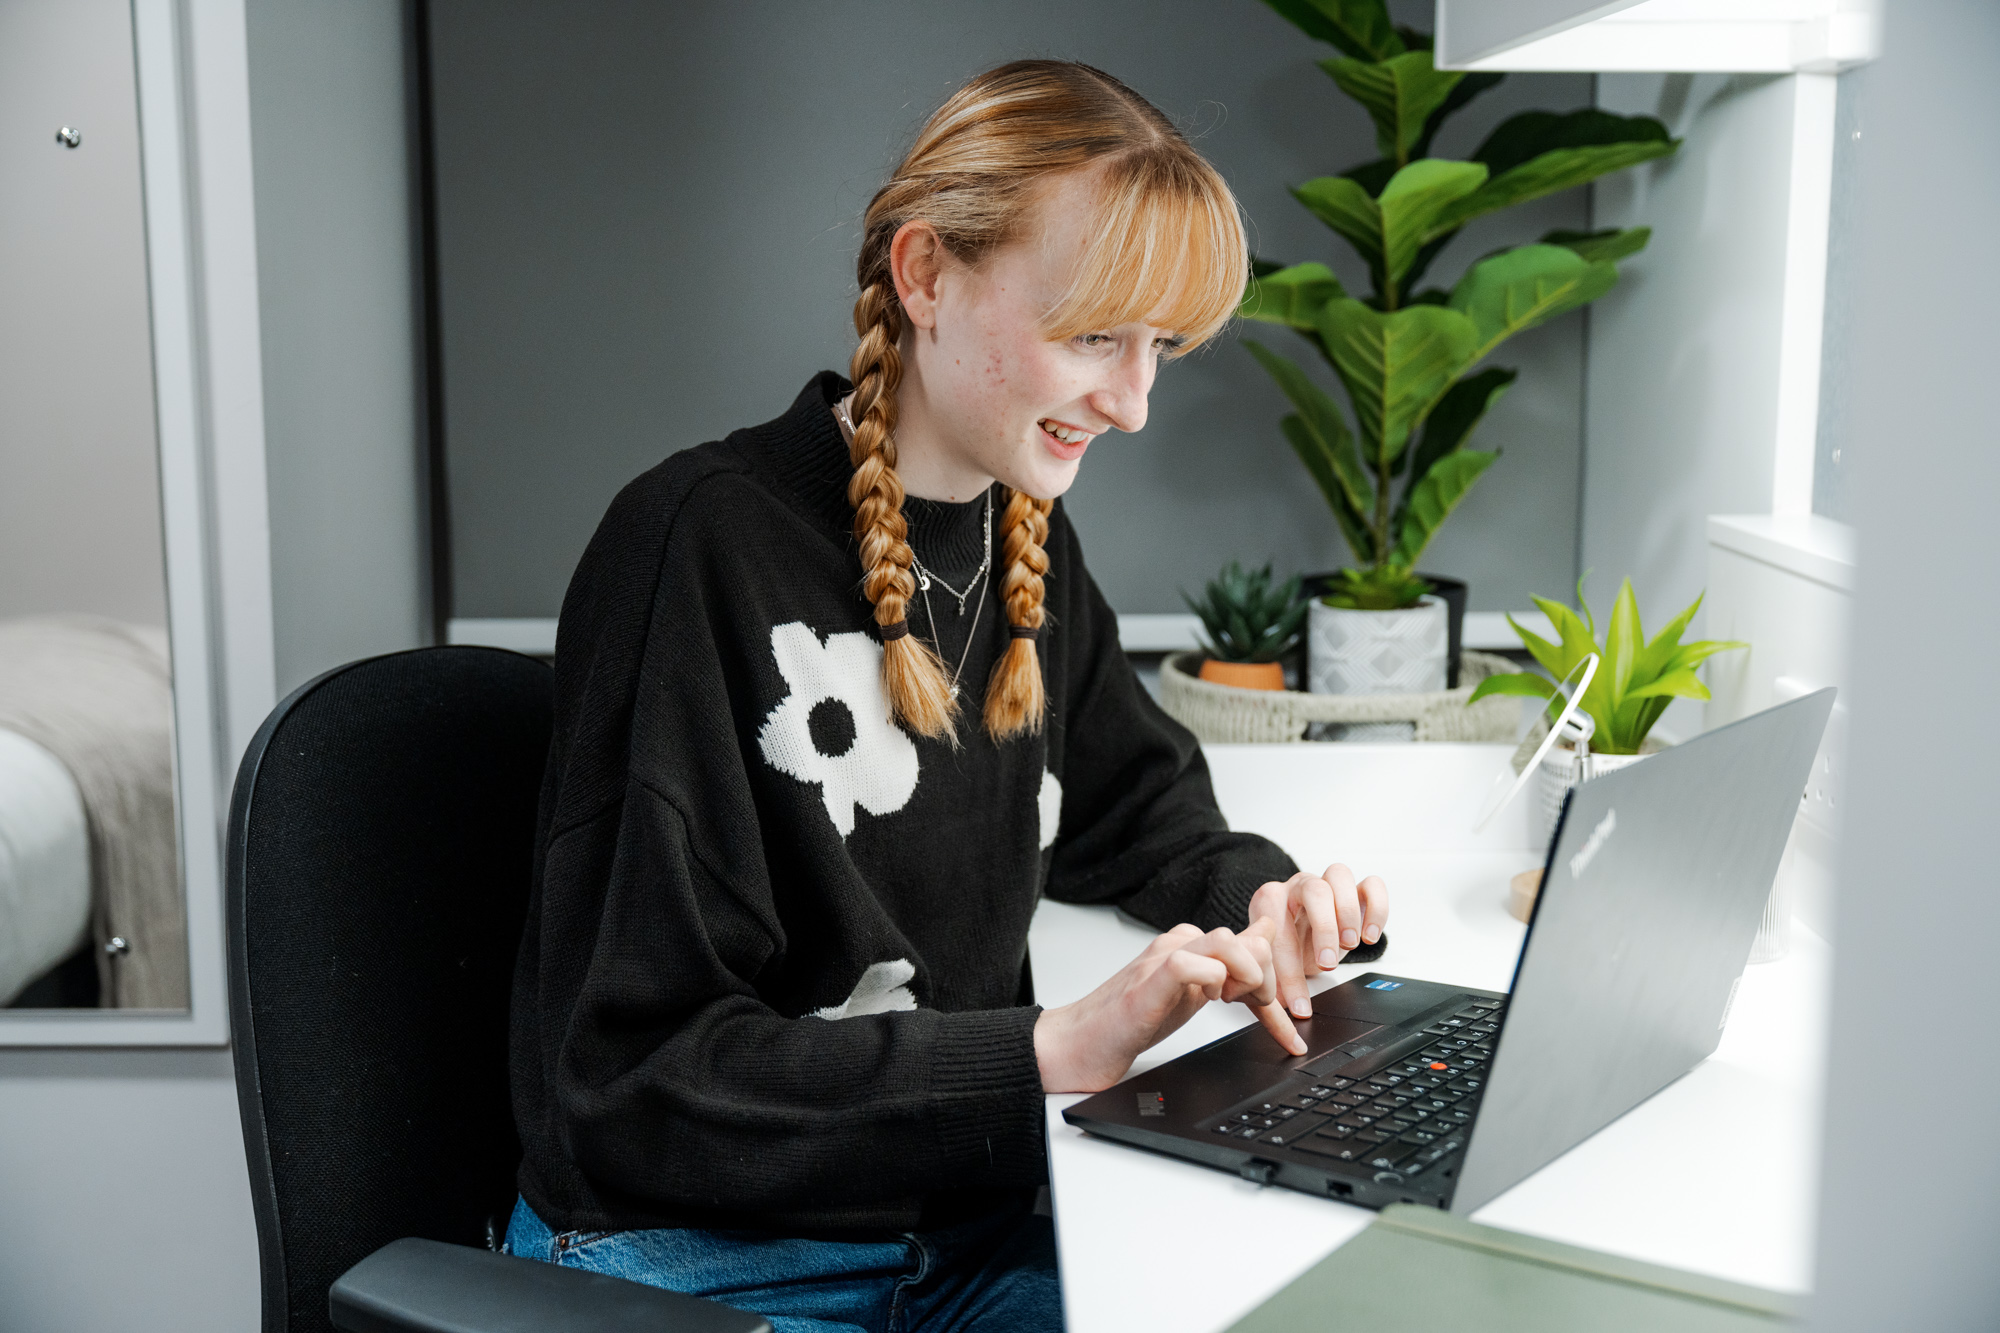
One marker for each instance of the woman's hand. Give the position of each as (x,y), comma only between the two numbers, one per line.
(1087,1046)
(1316,920)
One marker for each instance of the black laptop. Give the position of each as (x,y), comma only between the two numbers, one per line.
(1418,1092)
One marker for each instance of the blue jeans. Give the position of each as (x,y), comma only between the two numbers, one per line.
(996,1272)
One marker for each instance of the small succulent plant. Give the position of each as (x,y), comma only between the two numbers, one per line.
(1248,618)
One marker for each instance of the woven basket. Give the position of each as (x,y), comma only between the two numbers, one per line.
(1223,714)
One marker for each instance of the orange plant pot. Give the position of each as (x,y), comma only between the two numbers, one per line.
(1244,675)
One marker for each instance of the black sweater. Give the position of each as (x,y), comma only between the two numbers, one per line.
(774,971)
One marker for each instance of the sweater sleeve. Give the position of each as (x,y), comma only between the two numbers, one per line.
(1140,827)
(664,1043)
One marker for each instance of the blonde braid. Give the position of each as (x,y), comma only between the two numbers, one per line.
(912,676)
(1015,699)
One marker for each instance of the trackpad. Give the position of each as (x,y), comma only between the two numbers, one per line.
(1322,1034)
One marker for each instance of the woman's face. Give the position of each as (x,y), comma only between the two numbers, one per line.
(986,395)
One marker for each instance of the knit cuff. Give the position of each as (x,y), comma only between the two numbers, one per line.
(986,1084)
(1236,881)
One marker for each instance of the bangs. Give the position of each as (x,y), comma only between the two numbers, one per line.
(1165,247)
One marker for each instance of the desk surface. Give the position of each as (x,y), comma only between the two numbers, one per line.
(1713,1174)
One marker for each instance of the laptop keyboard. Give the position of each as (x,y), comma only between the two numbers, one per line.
(1411,1116)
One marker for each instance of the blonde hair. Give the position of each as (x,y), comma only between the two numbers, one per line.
(1165,246)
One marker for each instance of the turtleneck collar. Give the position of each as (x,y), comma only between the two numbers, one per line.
(949,537)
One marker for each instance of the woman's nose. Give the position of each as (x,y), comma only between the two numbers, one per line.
(1121,400)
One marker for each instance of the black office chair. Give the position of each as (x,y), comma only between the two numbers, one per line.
(380,839)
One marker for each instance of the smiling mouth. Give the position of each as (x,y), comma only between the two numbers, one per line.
(1065,442)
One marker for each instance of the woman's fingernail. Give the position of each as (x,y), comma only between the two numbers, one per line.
(1349,938)
(1302,1008)
(1328,959)
(1372,934)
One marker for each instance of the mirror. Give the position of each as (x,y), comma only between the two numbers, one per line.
(93,901)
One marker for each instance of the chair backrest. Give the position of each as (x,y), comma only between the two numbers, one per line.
(379,855)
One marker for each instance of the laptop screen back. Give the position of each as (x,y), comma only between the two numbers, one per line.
(1654,889)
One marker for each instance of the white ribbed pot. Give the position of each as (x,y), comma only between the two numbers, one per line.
(1558,773)
(1377,652)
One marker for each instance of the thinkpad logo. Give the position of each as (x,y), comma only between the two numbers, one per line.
(1152,1103)
(1593,844)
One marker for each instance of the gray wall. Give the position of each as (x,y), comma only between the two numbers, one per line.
(338,296)
(648,223)
(79,476)
(1912,1246)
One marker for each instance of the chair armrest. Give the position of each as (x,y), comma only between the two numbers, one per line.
(426,1286)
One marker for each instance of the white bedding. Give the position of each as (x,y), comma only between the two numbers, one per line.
(44,863)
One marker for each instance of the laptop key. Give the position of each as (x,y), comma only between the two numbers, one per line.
(1321,1091)
(1351,1099)
(1376,1136)
(1325,1147)
(1472,1011)
(1416,1136)
(1354,1121)
(1386,1155)
(1299,1103)
(1335,1130)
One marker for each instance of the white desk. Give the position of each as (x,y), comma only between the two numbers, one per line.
(1714,1174)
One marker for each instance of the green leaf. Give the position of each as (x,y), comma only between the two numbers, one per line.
(1395,366)
(1552,172)
(1657,659)
(1319,465)
(1323,419)
(1361,28)
(1461,408)
(1610,243)
(1525,683)
(1388,231)
(1623,642)
(1387,587)
(1691,655)
(1681,684)
(1433,498)
(1529,285)
(1372,176)
(1549,655)
(1400,95)
(1291,296)
(1520,139)
(1469,87)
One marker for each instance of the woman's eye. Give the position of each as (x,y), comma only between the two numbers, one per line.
(1094,339)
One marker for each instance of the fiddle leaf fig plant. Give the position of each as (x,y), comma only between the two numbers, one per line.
(1636,677)
(1409,356)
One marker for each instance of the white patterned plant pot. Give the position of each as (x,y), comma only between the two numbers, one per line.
(1558,774)
(1377,652)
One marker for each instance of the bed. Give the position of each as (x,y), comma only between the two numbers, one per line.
(89,856)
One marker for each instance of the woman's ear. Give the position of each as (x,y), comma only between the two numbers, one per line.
(916,258)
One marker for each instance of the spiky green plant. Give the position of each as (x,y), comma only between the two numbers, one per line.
(1636,678)
(1406,354)
(1248,619)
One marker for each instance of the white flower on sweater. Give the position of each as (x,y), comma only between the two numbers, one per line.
(883,989)
(833,729)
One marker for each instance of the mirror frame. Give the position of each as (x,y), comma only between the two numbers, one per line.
(193,94)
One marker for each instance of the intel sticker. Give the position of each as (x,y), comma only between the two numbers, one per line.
(1382,984)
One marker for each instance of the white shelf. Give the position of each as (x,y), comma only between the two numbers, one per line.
(1672,36)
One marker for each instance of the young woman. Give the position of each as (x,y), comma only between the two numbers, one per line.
(837,701)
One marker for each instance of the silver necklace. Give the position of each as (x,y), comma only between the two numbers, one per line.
(925,578)
(937,635)
(923,575)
